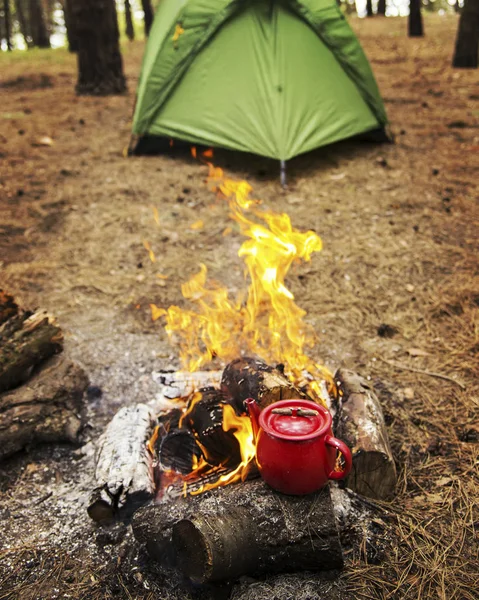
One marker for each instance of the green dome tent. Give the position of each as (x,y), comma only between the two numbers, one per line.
(272,77)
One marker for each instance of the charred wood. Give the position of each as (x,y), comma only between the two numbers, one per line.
(243,529)
(124,464)
(178,451)
(252,378)
(48,409)
(204,416)
(26,340)
(361,426)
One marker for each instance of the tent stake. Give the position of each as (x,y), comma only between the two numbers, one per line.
(283,173)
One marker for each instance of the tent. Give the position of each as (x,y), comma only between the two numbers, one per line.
(272,77)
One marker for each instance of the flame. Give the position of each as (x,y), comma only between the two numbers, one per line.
(266,321)
(263,320)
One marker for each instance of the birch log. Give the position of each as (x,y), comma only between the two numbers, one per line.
(361,426)
(124,464)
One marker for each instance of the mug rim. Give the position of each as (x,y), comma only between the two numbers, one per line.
(325,429)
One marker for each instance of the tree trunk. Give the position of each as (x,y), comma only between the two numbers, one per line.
(129,29)
(100,66)
(466,54)
(40,37)
(70,25)
(23,23)
(8,24)
(382,7)
(369,8)
(415,28)
(148,15)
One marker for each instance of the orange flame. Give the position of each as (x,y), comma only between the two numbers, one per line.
(243,432)
(266,321)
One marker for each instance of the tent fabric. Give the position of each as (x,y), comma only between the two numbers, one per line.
(277,78)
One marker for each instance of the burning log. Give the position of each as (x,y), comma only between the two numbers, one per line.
(252,378)
(48,409)
(26,340)
(124,464)
(243,529)
(178,451)
(204,416)
(361,426)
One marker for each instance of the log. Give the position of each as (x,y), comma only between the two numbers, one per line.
(26,340)
(361,426)
(252,378)
(242,529)
(47,409)
(178,451)
(124,465)
(204,417)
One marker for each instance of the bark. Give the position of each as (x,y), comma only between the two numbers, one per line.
(252,378)
(38,27)
(369,8)
(124,464)
(382,7)
(361,426)
(48,409)
(23,23)
(129,29)
(70,25)
(26,340)
(148,15)
(100,66)
(242,529)
(466,54)
(415,26)
(7,17)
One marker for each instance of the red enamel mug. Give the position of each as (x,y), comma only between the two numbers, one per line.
(295,447)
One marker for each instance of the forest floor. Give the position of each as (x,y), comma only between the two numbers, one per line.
(399,224)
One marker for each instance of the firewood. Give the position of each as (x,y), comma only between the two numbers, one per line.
(124,464)
(252,378)
(361,426)
(48,409)
(243,529)
(178,451)
(26,340)
(204,417)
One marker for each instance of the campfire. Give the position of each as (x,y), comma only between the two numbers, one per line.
(181,456)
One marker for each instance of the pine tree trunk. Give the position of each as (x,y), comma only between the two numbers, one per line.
(40,36)
(100,66)
(382,7)
(415,28)
(23,23)
(72,34)
(129,29)
(8,24)
(148,12)
(466,54)
(369,8)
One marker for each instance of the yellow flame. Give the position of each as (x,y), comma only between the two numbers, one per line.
(243,432)
(267,322)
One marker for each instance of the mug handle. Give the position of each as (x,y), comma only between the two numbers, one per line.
(345,451)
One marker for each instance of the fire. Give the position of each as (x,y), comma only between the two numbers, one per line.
(264,320)
(243,432)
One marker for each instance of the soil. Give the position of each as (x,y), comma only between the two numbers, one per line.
(394,295)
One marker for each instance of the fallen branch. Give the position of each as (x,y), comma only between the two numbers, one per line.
(422,372)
